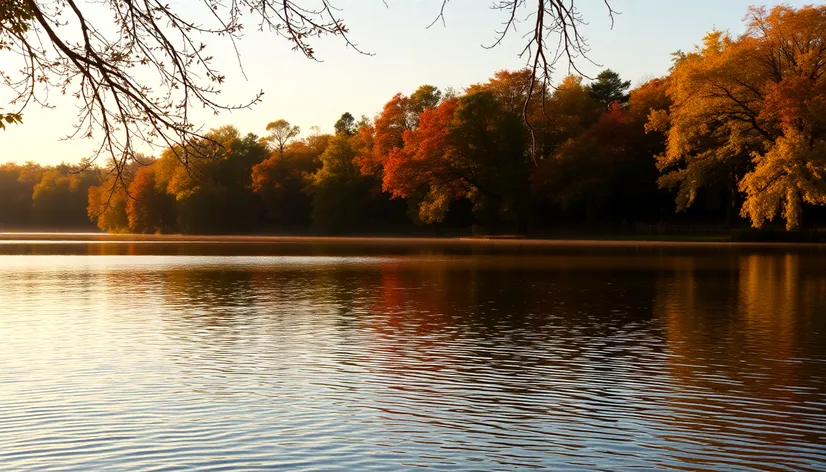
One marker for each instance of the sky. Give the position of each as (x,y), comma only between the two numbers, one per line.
(405,55)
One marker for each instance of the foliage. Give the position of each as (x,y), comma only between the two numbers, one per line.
(280,182)
(150,209)
(210,195)
(16,187)
(749,114)
(281,133)
(107,206)
(338,190)
(738,124)
(59,194)
(609,88)
(386,134)
(137,78)
(469,147)
(10,118)
(214,195)
(346,125)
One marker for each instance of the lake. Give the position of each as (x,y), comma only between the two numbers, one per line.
(260,354)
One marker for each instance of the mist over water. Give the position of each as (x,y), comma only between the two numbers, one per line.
(273,357)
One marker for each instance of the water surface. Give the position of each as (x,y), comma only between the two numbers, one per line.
(262,356)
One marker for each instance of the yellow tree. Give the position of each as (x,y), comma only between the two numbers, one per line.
(791,47)
(748,115)
(107,206)
(281,133)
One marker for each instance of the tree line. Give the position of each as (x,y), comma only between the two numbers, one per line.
(136,80)
(45,197)
(734,133)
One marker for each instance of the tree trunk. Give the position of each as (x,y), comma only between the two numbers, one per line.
(731,208)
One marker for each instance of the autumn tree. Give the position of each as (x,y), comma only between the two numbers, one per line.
(709,133)
(137,80)
(579,176)
(386,135)
(281,133)
(605,174)
(480,146)
(748,115)
(424,97)
(791,172)
(214,195)
(566,153)
(107,200)
(472,147)
(107,206)
(149,208)
(280,182)
(416,167)
(571,110)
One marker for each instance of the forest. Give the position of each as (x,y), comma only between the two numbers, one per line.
(734,135)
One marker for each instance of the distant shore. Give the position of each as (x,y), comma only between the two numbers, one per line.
(514,242)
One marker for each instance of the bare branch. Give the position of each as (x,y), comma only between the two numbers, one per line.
(137,79)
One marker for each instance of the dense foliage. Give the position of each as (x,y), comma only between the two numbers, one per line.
(749,116)
(736,130)
(137,69)
(38,197)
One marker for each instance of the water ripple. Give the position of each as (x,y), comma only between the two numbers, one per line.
(407,362)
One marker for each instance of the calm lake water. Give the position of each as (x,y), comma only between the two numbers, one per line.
(154,356)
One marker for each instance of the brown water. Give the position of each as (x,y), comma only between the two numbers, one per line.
(394,357)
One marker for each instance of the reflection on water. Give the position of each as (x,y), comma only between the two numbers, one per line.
(652,358)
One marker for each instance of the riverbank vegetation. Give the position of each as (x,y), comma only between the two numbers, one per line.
(736,133)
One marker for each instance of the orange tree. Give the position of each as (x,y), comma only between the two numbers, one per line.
(472,147)
(137,79)
(749,114)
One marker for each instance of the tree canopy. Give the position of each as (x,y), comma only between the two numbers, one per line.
(734,133)
(749,114)
(609,88)
(137,78)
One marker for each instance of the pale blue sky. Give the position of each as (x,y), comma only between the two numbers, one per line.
(407,55)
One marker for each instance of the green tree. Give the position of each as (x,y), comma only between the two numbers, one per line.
(339,191)
(609,88)
(60,199)
(346,125)
(215,195)
(470,147)
(16,187)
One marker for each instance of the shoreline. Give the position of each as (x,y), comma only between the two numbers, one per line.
(467,241)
